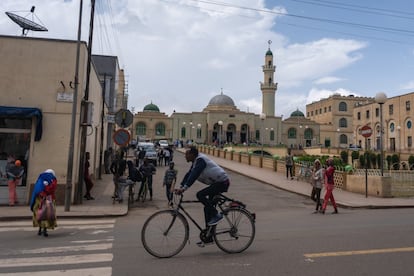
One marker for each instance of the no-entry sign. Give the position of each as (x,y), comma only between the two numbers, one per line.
(366,131)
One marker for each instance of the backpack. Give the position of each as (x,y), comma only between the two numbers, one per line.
(135,175)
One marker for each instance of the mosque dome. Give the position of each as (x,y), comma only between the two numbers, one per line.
(269,53)
(221,100)
(151,108)
(297,113)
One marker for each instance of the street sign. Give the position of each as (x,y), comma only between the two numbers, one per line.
(123,118)
(365,131)
(121,137)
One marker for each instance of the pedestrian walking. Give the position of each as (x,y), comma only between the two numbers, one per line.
(289,165)
(329,185)
(43,202)
(87,178)
(170,178)
(117,168)
(147,169)
(318,179)
(14,171)
(166,157)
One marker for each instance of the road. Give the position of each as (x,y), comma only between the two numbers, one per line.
(290,240)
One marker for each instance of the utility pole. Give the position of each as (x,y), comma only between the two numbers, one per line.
(78,195)
(69,172)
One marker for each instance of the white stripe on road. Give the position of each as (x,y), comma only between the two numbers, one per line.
(61,222)
(74,248)
(95,271)
(80,227)
(59,260)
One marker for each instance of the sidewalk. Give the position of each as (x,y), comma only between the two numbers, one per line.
(343,198)
(102,205)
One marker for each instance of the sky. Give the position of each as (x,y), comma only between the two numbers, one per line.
(178,54)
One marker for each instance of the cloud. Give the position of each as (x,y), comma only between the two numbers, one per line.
(408,86)
(180,53)
(318,94)
(327,80)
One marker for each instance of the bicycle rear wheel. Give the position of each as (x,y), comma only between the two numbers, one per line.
(165,233)
(235,232)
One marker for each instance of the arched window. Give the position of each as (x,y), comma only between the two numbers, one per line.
(343,122)
(342,106)
(141,129)
(308,134)
(183,132)
(343,139)
(160,129)
(292,133)
(198,132)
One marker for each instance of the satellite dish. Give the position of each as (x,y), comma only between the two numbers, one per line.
(26,24)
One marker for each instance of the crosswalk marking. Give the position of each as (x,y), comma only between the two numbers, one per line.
(359,252)
(101,271)
(93,252)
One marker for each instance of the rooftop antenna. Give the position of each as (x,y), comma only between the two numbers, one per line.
(27,24)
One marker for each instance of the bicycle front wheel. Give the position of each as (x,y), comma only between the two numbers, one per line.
(235,232)
(165,233)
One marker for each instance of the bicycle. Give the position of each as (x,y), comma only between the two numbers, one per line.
(166,232)
(143,194)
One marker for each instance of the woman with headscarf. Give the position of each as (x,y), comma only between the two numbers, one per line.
(44,190)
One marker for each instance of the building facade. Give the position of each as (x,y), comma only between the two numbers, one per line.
(335,115)
(37,92)
(397,124)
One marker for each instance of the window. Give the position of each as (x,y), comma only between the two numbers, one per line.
(407,106)
(312,113)
(269,63)
(329,108)
(342,106)
(141,129)
(292,133)
(359,115)
(367,114)
(392,127)
(308,114)
(308,134)
(160,129)
(324,110)
(409,141)
(343,123)
(272,135)
(183,132)
(343,139)
(257,135)
(409,124)
(377,112)
(198,133)
(391,109)
(320,110)
(316,112)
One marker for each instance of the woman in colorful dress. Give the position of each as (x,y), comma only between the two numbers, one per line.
(44,189)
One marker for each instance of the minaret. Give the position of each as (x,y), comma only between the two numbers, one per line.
(268,87)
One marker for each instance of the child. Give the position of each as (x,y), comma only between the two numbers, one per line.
(170,178)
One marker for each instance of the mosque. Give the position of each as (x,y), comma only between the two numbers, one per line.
(222,122)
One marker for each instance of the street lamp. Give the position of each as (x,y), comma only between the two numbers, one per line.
(262,118)
(198,131)
(339,137)
(220,123)
(381,98)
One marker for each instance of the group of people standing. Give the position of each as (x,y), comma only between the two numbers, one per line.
(323,177)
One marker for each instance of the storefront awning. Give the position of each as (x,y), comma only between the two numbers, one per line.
(25,112)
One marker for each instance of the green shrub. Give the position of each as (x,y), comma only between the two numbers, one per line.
(411,162)
(395,159)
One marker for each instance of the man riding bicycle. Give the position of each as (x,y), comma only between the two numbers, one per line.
(208,172)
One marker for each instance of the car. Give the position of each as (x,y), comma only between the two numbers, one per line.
(150,151)
(163,143)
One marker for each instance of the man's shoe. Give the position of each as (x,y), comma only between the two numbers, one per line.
(215,219)
(203,244)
